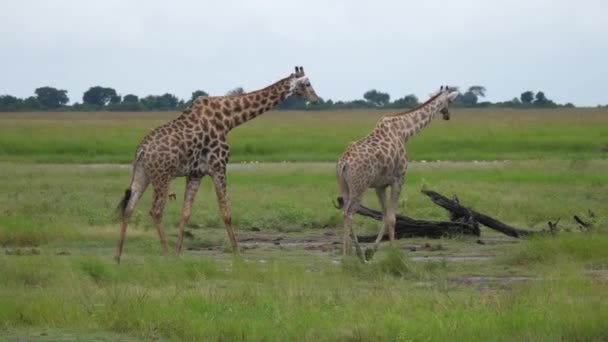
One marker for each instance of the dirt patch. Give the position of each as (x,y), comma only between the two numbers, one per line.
(454,258)
(489,283)
(22,251)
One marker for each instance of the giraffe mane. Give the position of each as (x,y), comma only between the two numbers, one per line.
(417,107)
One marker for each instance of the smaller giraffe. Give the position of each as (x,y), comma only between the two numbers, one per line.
(379,160)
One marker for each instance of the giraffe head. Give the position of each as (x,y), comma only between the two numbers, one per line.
(302,86)
(445,96)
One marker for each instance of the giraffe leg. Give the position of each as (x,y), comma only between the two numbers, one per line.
(348,223)
(381,193)
(137,188)
(349,212)
(158,205)
(392,206)
(192,185)
(219,180)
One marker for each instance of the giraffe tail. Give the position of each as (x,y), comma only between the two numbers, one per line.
(342,184)
(122,205)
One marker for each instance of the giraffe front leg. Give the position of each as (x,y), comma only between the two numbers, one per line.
(158,205)
(219,181)
(381,193)
(392,207)
(192,185)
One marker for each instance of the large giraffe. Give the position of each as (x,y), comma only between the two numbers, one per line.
(194,145)
(379,160)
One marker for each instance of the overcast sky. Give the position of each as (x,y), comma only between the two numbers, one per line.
(346,46)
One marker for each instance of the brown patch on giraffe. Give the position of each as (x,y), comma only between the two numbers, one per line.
(246,103)
(214,105)
(237,106)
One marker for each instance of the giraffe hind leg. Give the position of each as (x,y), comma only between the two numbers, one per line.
(350,207)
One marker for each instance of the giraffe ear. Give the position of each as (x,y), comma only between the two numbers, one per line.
(453,95)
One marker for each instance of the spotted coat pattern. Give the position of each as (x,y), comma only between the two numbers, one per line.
(379,161)
(195,145)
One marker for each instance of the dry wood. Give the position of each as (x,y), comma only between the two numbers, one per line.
(459,211)
(408,227)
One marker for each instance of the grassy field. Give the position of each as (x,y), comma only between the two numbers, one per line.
(58,233)
(313,136)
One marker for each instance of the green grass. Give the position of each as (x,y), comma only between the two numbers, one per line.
(190,299)
(485,134)
(41,203)
(59,282)
(58,233)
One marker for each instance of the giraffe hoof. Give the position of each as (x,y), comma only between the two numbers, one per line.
(369,253)
(117,259)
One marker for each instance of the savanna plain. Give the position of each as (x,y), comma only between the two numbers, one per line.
(62,175)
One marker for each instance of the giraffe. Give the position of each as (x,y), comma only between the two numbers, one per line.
(379,160)
(195,145)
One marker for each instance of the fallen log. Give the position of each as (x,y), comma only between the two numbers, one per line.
(458,211)
(406,227)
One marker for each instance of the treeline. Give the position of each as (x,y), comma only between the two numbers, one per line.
(104,98)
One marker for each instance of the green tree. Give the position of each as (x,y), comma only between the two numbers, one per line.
(49,97)
(527,97)
(168,101)
(163,102)
(198,93)
(98,96)
(130,98)
(116,99)
(541,99)
(31,103)
(471,97)
(376,97)
(408,101)
(236,91)
(479,91)
(9,103)
(468,99)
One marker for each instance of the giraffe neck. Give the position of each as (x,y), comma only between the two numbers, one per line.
(250,105)
(411,122)
(227,112)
